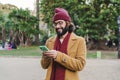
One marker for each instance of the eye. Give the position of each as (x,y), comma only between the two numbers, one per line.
(58,23)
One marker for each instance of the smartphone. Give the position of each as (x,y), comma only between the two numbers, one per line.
(43,48)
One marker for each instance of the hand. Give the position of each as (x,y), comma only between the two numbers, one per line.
(50,54)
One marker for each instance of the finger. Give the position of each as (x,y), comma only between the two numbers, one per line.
(49,54)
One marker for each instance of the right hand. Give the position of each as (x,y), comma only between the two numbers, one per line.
(50,54)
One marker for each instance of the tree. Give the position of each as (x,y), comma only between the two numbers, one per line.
(101,21)
(37,26)
(23,25)
(96,18)
(4,11)
(2,22)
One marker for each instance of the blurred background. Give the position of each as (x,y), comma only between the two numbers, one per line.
(25,25)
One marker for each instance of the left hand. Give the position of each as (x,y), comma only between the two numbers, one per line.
(51,54)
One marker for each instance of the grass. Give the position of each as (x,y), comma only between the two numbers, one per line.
(22,52)
(34,51)
(104,54)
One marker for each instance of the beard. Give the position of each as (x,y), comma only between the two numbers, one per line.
(64,30)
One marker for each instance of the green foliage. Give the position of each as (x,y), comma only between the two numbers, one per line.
(23,24)
(44,36)
(1,20)
(23,21)
(43,40)
(96,18)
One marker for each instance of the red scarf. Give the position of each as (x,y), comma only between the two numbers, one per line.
(58,71)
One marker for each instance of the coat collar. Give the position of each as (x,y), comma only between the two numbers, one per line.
(72,37)
(72,40)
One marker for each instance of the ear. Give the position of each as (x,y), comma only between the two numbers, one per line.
(67,23)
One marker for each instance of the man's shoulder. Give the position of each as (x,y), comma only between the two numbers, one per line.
(51,38)
(77,37)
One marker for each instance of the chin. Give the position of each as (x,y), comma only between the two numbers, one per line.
(60,31)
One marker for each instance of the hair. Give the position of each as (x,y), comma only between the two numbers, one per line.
(71,27)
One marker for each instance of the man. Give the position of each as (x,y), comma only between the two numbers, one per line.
(67,51)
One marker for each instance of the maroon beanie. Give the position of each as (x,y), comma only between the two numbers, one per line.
(61,14)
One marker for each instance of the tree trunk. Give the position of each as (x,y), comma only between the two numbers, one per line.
(28,42)
(20,36)
(11,35)
(3,37)
(37,26)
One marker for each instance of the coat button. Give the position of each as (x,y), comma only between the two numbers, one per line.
(64,60)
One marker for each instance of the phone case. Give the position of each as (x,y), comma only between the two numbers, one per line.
(43,48)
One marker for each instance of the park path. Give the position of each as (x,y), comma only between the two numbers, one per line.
(12,68)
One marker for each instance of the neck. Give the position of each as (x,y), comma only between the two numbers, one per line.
(62,37)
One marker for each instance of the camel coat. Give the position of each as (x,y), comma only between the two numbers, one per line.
(74,61)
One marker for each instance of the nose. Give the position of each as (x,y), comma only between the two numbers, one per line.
(57,26)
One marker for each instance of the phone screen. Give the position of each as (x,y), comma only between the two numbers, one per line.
(43,48)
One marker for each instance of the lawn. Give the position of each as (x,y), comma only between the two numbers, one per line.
(22,52)
(103,54)
(34,51)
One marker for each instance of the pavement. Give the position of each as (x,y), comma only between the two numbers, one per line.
(12,68)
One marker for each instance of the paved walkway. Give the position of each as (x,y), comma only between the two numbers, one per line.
(30,69)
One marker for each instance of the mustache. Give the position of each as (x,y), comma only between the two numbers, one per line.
(58,28)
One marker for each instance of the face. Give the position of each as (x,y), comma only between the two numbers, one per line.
(60,27)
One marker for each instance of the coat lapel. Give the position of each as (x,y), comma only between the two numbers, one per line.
(52,42)
(72,41)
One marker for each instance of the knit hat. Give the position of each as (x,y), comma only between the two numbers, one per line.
(61,14)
